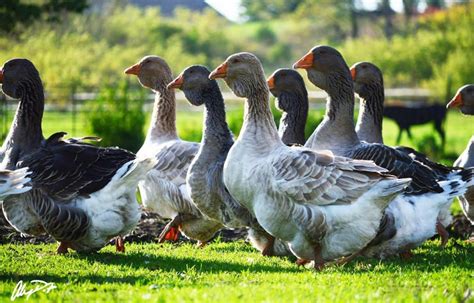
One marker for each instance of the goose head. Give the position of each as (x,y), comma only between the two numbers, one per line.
(323,64)
(464,99)
(288,82)
(243,73)
(152,71)
(195,83)
(17,74)
(366,76)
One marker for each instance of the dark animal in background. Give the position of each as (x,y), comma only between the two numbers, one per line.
(407,116)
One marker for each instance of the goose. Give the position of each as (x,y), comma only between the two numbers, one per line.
(324,206)
(327,69)
(14,182)
(288,87)
(368,85)
(204,178)
(394,233)
(164,188)
(464,99)
(82,195)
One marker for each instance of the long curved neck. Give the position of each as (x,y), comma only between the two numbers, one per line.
(369,121)
(293,121)
(25,133)
(259,129)
(336,132)
(163,119)
(216,133)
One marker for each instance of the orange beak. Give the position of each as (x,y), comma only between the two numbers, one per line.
(1,75)
(219,72)
(353,73)
(456,101)
(305,62)
(176,83)
(271,82)
(133,70)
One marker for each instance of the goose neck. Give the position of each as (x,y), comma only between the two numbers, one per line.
(293,120)
(259,127)
(26,133)
(215,129)
(163,121)
(369,121)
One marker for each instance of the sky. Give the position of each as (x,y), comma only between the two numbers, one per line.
(231,8)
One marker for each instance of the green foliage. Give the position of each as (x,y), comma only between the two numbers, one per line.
(117,117)
(233,272)
(20,12)
(268,9)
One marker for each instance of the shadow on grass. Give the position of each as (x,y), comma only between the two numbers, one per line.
(140,260)
(431,258)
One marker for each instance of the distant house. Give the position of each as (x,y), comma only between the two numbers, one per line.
(167,7)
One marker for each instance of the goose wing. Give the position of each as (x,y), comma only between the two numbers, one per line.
(400,164)
(174,160)
(64,170)
(440,169)
(320,178)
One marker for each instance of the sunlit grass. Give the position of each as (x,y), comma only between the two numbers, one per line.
(233,272)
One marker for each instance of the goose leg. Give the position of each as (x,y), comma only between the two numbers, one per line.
(406,255)
(302,262)
(62,248)
(201,244)
(171,230)
(119,244)
(319,262)
(345,260)
(268,250)
(443,233)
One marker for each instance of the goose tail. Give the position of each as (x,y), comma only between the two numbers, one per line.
(13,182)
(133,171)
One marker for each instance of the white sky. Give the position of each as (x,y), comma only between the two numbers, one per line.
(231,8)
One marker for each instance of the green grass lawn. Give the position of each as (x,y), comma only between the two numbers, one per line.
(232,272)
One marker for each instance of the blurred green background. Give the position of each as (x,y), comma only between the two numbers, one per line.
(84,46)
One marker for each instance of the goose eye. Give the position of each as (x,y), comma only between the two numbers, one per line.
(235,61)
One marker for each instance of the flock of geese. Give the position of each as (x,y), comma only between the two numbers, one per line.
(340,194)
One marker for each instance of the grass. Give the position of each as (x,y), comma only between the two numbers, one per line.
(233,272)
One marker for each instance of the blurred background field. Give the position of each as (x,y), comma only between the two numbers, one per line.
(82,47)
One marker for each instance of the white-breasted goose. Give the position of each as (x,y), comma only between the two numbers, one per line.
(327,69)
(164,189)
(204,179)
(82,195)
(324,206)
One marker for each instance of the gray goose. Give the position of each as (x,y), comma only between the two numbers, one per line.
(327,69)
(324,206)
(464,100)
(288,87)
(164,188)
(204,178)
(81,195)
(368,84)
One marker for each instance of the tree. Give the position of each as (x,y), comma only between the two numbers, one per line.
(267,9)
(16,12)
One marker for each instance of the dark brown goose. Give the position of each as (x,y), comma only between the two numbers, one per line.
(464,100)
(327,69)
(82,195)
